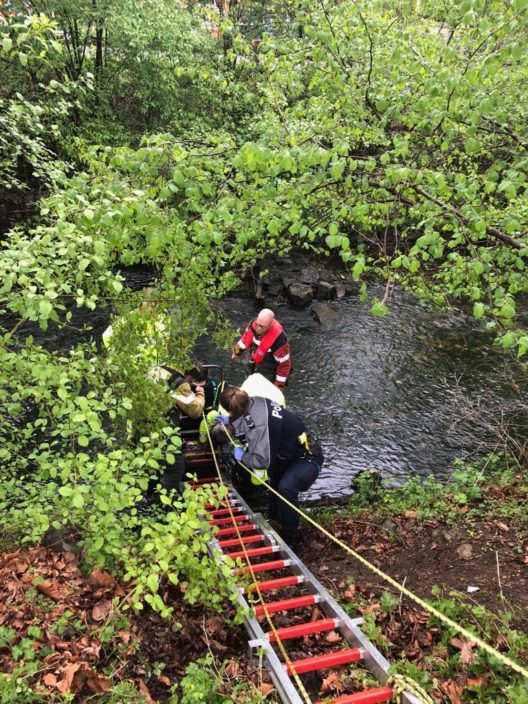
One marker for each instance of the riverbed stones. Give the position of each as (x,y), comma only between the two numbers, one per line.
(340,289)
(324,314)
(324,291)
(299,294)
(300,278)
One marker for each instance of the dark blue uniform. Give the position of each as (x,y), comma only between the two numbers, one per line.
(274,440)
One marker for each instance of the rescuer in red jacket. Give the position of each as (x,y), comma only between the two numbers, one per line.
(268,346)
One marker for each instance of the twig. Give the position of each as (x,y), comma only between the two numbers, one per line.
(498,575)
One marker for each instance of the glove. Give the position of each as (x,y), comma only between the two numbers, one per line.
(221,418)
(238,453)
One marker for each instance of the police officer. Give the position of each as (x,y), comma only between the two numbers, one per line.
(272,438)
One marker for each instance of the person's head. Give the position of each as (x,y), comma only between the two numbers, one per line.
(235,401)
(196,374)
(150,298)
(264,320)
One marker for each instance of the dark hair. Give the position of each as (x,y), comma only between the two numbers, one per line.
(196,372)
(235,401)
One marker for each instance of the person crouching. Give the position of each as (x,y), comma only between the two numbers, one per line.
(272,438)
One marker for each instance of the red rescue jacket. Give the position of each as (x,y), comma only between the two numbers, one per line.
(271,355)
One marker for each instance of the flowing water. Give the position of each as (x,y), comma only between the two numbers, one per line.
(404,395)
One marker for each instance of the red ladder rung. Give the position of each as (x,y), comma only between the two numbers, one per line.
(255,552)
(237,541)
(263,566)
(268,584)
(228,519)
(205,480)
(369,696)
(303,629)
(287,604)
(322,662)
(235,530)
(225,511)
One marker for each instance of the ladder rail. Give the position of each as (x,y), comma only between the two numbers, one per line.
(348,626)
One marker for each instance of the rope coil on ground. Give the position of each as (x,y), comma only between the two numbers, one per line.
(402,683)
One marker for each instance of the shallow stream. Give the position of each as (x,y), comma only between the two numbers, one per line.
(404,395)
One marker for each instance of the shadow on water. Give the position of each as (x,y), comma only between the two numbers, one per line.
(382,393)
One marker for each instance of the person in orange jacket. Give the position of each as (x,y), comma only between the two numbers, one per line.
(269,348)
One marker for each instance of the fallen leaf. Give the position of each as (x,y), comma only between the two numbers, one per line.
(102,579)
(410,514)
(316,614)
(165,680)
(332,683)
(453,691)
(232,669)
(350,594)
(266,688)
(50,680)
(101,610)
(98,684)
(466,649)
(50,589)
(69,682)
(502,526)
(332,637)
(144,690)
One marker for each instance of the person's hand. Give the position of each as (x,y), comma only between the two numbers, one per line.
(221,418)
(238,453)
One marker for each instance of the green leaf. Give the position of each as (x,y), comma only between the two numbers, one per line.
(379,309)
(358,268)
(78,500)
(45,308)
(7,44)
(83,441)
(153,582)
(479,309)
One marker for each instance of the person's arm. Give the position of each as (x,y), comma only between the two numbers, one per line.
(245,341)
(282,356)
(190,402)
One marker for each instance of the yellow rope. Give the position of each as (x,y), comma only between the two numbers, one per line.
(278,639)
(504,659)
(401,684)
